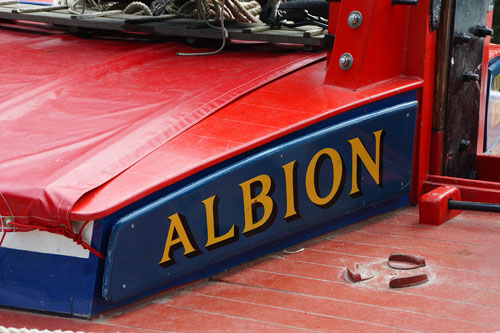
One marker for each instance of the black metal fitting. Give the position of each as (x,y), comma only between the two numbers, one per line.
(482,31)
(405,2)
(465,145)
(329,40)
(461,38)
(470,77)
(476,206)
(435,14)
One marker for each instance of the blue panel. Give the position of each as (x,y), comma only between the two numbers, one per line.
(138,240)
(492,126)
(49,282)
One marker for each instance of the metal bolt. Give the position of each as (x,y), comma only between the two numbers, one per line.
(345,61)
(470,77)
(132,226)
(482,31)
(461,38)
(7,222)
(124,286)
(355,19)
(465,145)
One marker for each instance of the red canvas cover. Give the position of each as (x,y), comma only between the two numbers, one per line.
(75,112)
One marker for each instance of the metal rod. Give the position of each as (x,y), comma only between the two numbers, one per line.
(405,2)
(35,3)
(97,14)
(38,9)
(147,19)
(9,2)
(477,206)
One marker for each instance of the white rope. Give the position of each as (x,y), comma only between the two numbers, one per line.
(33,330)
(224,36)
(241,10)
(138,8)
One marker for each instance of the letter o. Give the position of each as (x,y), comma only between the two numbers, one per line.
(338,170)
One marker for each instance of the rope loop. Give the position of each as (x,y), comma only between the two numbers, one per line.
(62,229)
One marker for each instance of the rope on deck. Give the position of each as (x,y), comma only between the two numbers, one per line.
(241,10)
(33,330)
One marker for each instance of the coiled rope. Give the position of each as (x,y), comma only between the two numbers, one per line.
(138,8)
(241,10)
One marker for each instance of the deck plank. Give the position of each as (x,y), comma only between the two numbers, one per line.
(307,291)
(326,306)
(448,313)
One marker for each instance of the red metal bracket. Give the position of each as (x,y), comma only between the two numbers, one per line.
(408,281)
(433,206)
(355,275)
(405,261)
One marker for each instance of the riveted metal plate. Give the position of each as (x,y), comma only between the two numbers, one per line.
(462,117)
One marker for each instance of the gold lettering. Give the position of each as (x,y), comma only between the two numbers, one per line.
(176,226)
(291,209)
(373,166)
(495,114)
(311,176)
(263,199)
(496,83)
(212,239)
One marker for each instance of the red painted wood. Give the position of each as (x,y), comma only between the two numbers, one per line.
(408,243)
(433,206)
(253,120)
(308,290)
(421,62)
(171,317)
(487,167)
(436,164)
(483,265)
(326,306)
(279,312)
(376,57)
(470,189)
(446,313)
(18,319)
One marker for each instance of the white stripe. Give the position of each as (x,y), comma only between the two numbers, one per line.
(46,242)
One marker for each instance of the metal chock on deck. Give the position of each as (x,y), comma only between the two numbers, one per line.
(405,261)
(358,275)
(408,281)
(400,270)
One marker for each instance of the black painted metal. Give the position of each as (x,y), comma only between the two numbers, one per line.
(476,206)
(461,37)
(482,31)
(405,2)
(462,113)
(435,14)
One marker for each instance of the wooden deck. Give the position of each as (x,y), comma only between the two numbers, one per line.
(307,291)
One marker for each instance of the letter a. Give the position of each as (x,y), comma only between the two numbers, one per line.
(176,226)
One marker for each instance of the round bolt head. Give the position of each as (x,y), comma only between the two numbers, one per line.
(345,61)
(355,19)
